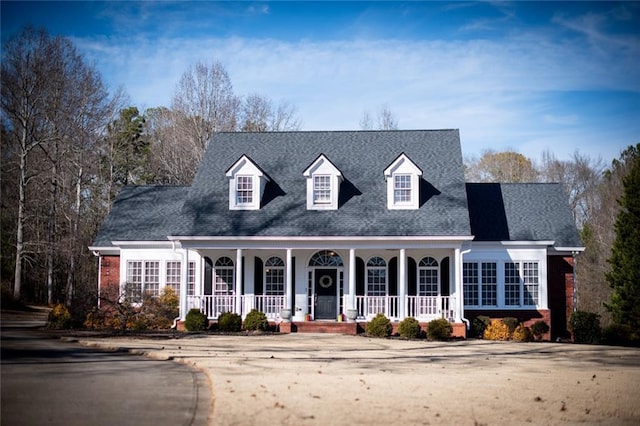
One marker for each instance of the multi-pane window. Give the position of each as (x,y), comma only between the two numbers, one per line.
(321,189)
(489,284)
(274,277)
(530,282)
(173,276)
(223,274)
(401,189)
(470,283)
(142,277)
(244,190)
(191,279)
(428,277)
(512,283)
(376,277)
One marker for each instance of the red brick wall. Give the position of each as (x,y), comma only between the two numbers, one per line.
(560,289)
(109,271)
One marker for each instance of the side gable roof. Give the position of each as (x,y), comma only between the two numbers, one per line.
(361,156)
(521,212)
(142,213)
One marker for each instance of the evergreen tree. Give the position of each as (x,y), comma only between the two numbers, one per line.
(624,276)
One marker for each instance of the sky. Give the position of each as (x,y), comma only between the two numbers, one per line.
(524,76)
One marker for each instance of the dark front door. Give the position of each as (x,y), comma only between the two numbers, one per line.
(326,299)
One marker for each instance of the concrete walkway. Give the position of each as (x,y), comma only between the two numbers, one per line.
(333,379)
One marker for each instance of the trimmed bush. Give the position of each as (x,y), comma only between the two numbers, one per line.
(539,328)
(409,328)
(511,323)
(522,334)
(256,321)
(379,326)
(497,330)
(479,325)
(59,317)
(229,322)
(439,329)
(585,327)
(196,320)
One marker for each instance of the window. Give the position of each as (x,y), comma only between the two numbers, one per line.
(274,277)
(326,258)
(191,279)
(142,277)
(489,284)
(428,277)
(376,277)
(244,190)
(401,189)
(321,189)
(531,282)
(223,274)
(174,275)
(470,283)
(512,283)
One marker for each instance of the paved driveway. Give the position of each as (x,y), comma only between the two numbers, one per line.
(49,381)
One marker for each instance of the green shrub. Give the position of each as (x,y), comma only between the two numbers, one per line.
(439,329)
(229,322)
(409,328)
(379,326)
(479,325)
(511,323)
(522,334)
(196,320)
(585,327)
(497,330)
(256,321)
(59,317)
(539,328)
(620,334)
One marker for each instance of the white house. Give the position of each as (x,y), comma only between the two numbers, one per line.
(330,224)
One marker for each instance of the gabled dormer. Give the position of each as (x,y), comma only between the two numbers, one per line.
(323,184)
(403,184)
(246,184)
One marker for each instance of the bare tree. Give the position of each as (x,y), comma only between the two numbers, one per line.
(259,114)
(505,166)
(385,120)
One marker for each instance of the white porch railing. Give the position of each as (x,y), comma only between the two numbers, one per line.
(214,305)
(424,308)
(270,305)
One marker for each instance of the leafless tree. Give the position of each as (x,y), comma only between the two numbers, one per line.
(507,166)
(385,120)
(259,114)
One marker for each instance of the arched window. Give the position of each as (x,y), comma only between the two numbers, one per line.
(376,277)
(274,277)
(428,277)
(326,258)
(223,273)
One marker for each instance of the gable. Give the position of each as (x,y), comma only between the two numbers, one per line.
(361,158)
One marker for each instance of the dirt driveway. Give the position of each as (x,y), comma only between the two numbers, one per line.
(315,379)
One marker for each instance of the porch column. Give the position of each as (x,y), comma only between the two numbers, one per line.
(238,283)
(289,281)
(457,279)
(402,284)
(352,279)
(184,272)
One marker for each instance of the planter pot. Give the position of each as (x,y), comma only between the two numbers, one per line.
(285,314)
(352,314)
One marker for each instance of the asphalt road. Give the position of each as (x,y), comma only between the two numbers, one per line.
(46,381)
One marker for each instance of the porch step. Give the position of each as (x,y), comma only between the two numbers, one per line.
(351,328)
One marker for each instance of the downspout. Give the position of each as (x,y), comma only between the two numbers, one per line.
(177,319)
(97,254)
(464,320)
(573,282)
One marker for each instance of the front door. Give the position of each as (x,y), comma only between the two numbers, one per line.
(326,289)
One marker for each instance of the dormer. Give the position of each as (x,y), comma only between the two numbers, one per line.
(403,184)
(246,184)
(323,184)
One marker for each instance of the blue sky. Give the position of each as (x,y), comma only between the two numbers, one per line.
(527,76)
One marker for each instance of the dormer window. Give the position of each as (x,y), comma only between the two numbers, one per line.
(246,184)
(323,184)
(403,184)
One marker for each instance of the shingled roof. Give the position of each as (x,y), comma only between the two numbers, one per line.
(361,156)
(521,212)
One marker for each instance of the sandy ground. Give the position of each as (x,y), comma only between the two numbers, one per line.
(315,379)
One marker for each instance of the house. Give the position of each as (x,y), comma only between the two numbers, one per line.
(327,224)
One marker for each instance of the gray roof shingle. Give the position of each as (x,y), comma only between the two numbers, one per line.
(361,156)
(521,212)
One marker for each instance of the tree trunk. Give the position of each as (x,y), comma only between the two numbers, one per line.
(17,280)
(52,225)
(74,240)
